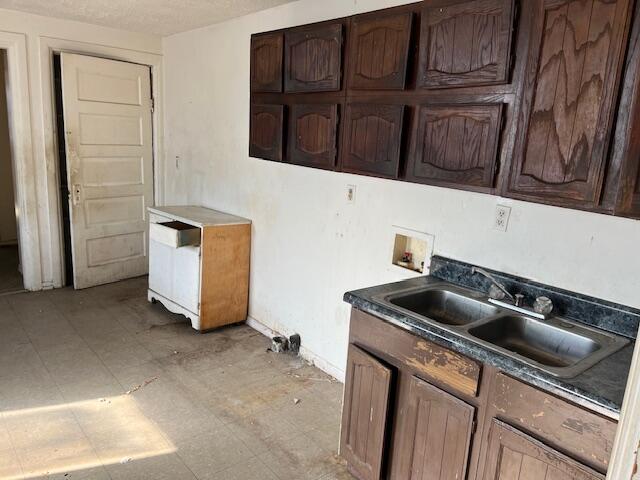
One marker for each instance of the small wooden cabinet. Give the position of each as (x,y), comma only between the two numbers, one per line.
(199,264)
(513,455)
(373,139)
(379,51)
(313,58)
(266,62)
(414,410)
(313,131)
(266,132)
(465,44)
(456,144)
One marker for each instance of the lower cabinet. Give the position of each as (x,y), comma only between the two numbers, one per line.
(513,455)
(436,435)
(364,420)
(407,419)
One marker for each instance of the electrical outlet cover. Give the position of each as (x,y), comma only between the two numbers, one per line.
(501,221)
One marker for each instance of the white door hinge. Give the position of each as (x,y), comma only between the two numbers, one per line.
(153,105)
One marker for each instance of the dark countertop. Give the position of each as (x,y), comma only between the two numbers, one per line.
(600,388)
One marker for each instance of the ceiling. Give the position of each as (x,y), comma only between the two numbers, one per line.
(160,17)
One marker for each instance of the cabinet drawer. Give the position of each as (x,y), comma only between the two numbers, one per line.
(174,234)
(424,359)
(580,433)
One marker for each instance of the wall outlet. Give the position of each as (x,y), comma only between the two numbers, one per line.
(501,221)
(351,194)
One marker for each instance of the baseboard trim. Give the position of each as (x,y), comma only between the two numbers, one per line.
(305,353)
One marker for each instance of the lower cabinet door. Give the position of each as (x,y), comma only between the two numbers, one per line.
(364,415)
(312,135)
(513,455)
(436,435)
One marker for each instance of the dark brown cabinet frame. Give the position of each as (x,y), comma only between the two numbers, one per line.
(511,76)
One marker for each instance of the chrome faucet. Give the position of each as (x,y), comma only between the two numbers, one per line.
(497,291)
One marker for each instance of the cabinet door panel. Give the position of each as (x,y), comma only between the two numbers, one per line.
(436,435)
(312,135)
(313,58)
(364,417)
(378,52)
(373,139)
(512,455)
(266,132)
(266,62)
(569,95)
(456,145)
(466,44)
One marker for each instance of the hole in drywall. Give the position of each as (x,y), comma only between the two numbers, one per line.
(410,252)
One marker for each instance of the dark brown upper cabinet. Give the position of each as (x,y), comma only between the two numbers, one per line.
(313,58)
(568,100)
(512,455)
(312,135)
(266,62)
(266,132)
(364,417)
(373,139)
(466,44)
(379,51)
(455,145)
(436,434)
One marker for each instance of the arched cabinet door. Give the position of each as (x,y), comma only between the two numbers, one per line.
(312,135)
(568,98)
(266,62)
(313,58)
(378,51)
(266,132)
(466,44)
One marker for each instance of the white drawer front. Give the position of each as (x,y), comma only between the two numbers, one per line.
(174,234)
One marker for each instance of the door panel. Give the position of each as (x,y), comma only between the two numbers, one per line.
(456,145)
(512,455)
(266,62)
(466,44)
(266,132)
(364,418)
(312,135)
(313,58)
(570,89)
(436,435)
(378,52)
(373,139)
(107,117)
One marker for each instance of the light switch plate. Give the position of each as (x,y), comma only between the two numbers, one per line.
(501,221)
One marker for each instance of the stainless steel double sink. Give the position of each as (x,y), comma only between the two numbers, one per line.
(559,346)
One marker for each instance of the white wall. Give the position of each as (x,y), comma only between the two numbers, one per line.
(8,233)
(309,245)
(40,33)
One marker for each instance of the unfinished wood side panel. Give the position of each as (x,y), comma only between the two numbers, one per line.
(580,433)
(465,44)
(424,358)
(569,94)
(514,455)
(224,295)
(364,418)
(436,436)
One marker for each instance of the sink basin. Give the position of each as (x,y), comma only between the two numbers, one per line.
(564,348)
(444,306)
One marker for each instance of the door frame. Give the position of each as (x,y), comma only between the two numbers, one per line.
(50,46)
(22,157)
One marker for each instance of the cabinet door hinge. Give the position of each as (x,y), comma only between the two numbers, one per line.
(474,427)
(153,105)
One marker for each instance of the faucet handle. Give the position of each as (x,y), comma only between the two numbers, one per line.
(518,297)
(543,305)
(496,292)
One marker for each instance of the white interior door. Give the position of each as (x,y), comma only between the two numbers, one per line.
(107,117)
